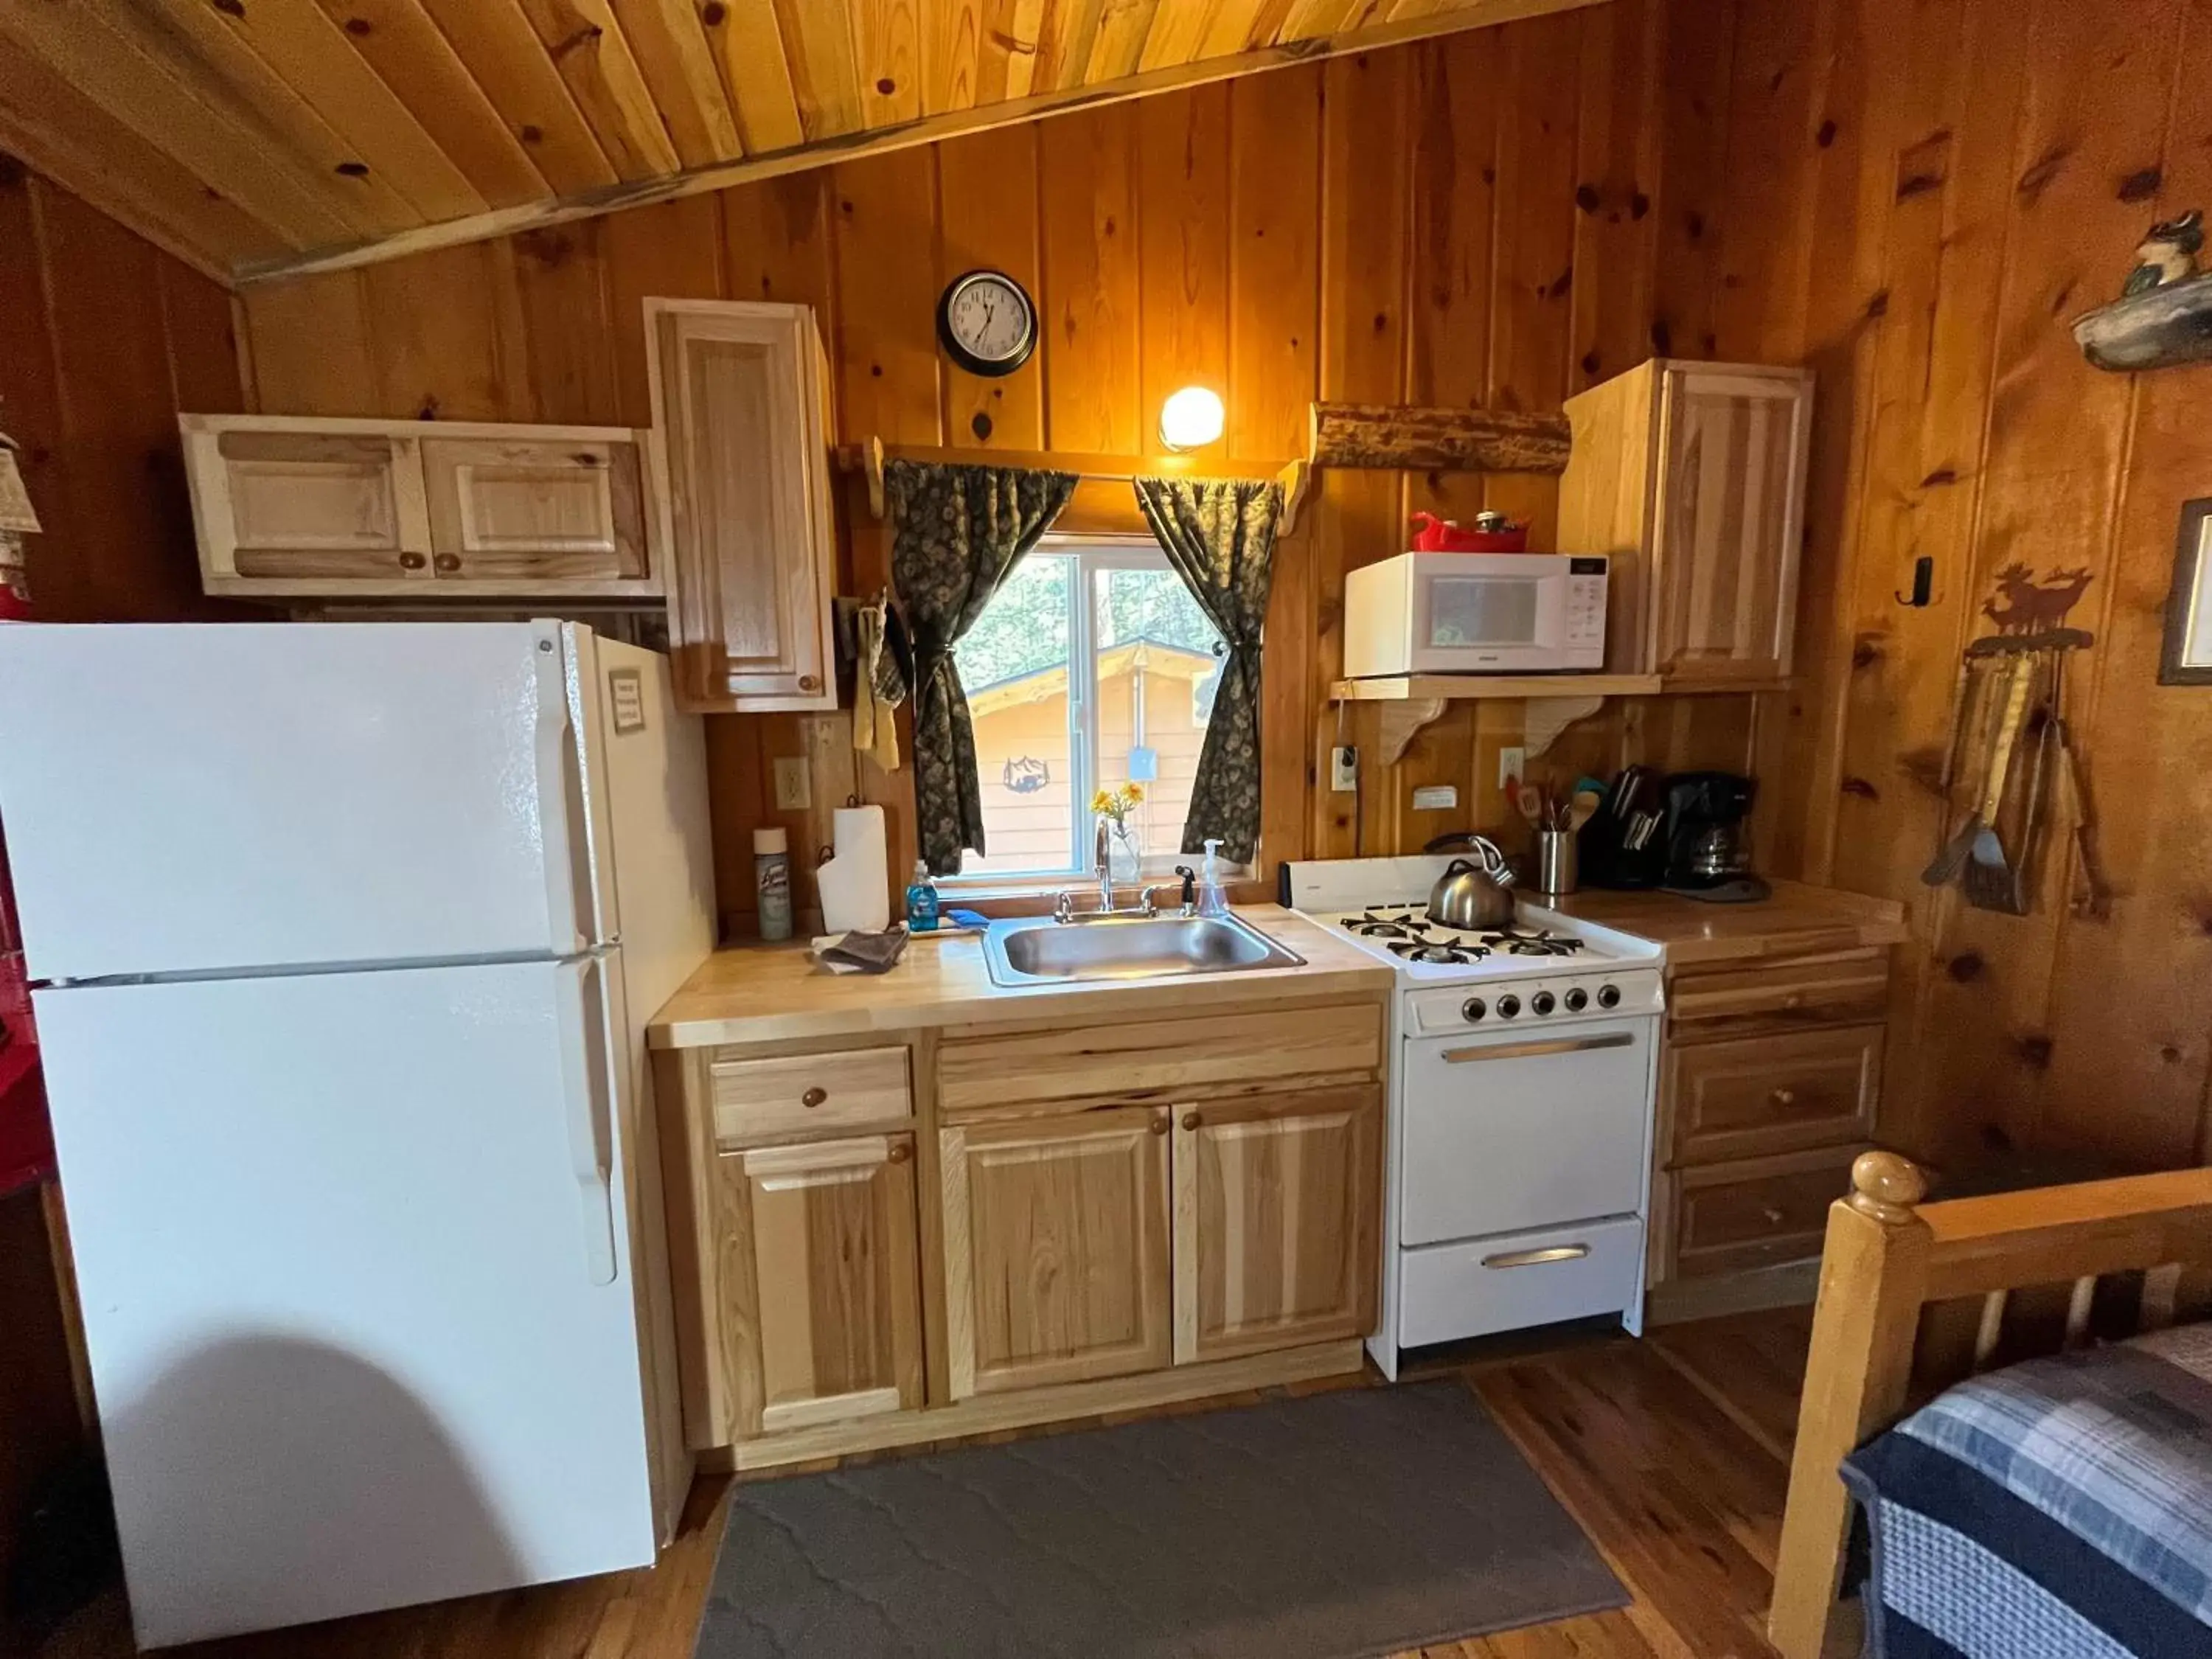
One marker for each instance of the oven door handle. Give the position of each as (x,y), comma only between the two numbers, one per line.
(1535,1050)
(1537,1258)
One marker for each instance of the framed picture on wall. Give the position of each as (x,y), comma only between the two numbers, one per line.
(2189,606)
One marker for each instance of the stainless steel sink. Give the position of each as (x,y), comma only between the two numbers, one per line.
(1038,950)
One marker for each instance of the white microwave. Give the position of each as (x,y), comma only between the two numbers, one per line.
(1475,613)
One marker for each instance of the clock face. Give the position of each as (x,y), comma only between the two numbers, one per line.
(987,323)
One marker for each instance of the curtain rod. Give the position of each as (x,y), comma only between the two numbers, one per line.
(1295,476)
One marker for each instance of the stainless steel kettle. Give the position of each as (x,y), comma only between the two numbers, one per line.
(1471,894)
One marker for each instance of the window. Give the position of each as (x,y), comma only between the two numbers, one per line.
(1091,667)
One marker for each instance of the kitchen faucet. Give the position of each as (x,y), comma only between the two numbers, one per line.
(1105,871)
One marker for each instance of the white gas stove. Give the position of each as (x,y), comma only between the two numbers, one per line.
(1523,1069)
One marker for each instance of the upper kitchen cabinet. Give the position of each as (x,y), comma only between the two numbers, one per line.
(295,507)
(741,432)
(1691,477)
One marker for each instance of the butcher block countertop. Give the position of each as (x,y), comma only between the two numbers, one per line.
(1797,920)
(775,993)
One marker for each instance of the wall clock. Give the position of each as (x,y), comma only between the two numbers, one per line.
(987,323)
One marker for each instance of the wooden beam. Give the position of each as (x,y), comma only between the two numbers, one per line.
(928,130)
(1438,440)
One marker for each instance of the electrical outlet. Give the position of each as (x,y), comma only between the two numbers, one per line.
(1512,766)
(793,793)
(1343,768)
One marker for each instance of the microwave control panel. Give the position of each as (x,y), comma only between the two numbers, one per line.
(1586,580)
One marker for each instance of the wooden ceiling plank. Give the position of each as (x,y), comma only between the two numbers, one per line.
(890,61)
(412,57)
(1233,27)
(496,45)
(825,65)
(954,52)
(52,125)
(1122,27)
(670,43)
(748,47)
(160,100)
(1176,31)
(1046,100)
(588,46)
(1066,31)
(310,53)
(1012,39)
(1313,19)
(184,32)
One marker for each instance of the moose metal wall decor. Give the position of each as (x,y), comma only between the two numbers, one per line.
(2024,605)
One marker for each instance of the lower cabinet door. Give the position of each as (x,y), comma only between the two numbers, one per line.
(826,1317)
(1055,1249)
(1277,1203)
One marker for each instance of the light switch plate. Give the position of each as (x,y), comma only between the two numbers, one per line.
(1343,768)
(793,793)
(1435,797)
(1512,765)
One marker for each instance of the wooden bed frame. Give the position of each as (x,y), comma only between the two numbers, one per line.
(1914,1297)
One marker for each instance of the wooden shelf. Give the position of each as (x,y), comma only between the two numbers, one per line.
(1460,687)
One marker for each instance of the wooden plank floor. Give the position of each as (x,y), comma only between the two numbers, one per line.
(1671,1453)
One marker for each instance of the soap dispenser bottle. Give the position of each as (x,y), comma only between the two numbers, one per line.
(1213,899)
(921,901)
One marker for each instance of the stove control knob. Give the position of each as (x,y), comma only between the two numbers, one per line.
(1608,996)
(1508,1007)
(1543,1002)
(1577,1000)
(1473,1008)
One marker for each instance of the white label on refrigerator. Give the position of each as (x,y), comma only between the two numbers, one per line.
(626,697)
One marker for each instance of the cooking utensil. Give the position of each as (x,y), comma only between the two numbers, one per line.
(1951,857)
(1530,800)
(1471,894)
(1989,870)
(1582,808)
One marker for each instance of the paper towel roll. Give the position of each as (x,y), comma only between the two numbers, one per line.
(855,883)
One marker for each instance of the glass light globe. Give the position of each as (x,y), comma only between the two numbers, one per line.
(1191,418)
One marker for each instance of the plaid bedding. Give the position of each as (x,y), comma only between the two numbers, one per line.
(2053,1509)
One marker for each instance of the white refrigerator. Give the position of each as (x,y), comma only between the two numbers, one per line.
(348,933)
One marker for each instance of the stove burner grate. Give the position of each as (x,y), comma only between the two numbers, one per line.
(1450,953)
(1413,937)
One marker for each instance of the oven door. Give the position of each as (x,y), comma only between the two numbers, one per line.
(1526,1127)
(1492,619)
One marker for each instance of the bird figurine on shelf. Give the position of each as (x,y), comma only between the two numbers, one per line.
(2168,255)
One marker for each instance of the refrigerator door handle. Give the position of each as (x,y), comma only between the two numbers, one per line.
(589,1096)
(560,800)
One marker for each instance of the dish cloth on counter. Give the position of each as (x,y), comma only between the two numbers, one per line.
(857,952)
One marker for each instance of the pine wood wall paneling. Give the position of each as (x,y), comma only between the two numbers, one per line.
(1366,268)
(988,217)
(2095,112)
(1698,66)
(1090,326)
(1275,283)
(2130,1062)
(887,359)
(311,348)
(1183,236)
(568,337)
(672,250)
(446,331)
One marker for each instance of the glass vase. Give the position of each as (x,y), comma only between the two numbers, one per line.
(1125,860)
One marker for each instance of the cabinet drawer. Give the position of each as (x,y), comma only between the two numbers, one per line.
(1160,1059)
(1772,1094)
(1733,1216)
(809,1091)
(1516,1280)
(1852,986)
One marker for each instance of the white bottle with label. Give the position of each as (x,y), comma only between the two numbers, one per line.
(1213,898)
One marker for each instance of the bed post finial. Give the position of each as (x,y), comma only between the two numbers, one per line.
(1886,1186)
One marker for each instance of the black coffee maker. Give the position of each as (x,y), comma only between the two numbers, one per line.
(1708,842)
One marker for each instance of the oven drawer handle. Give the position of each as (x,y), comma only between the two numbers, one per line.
(1532,1050)
(1537,1258)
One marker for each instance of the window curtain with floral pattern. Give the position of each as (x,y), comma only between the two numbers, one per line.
(1219,536)
(957,531)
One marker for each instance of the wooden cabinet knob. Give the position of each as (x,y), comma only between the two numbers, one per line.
(1783,1097)
(1160,1124)
(410,561)
(1192,1120)
(1771,1215)
(901,1152)
(808,683)
(449,561)
(813,1097)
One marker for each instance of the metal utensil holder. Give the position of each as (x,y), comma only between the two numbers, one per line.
(1558,862)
